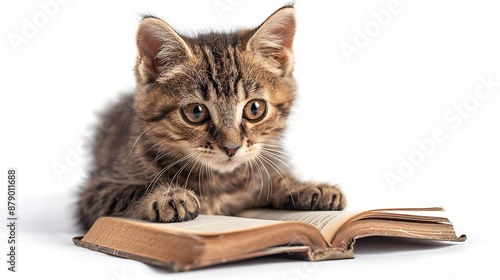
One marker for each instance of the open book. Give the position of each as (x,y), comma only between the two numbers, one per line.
(211,239)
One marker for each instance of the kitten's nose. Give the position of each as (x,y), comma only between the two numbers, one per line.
(229,140)
(231,150)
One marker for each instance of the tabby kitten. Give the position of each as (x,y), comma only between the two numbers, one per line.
(202,132)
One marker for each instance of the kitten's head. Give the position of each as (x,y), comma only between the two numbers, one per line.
(216,98)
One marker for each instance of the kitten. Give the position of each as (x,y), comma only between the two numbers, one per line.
(202,132)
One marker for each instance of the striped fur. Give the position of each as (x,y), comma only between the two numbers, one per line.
(150,163)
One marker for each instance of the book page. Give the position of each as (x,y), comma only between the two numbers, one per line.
(207,225)
(435,214)
(326,222)
(329,222)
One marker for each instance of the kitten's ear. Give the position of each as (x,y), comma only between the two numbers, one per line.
(159,47)
(273,39)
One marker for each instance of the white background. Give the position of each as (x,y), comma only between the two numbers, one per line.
(356,119)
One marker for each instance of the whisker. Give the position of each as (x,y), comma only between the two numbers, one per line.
(157,158)
(189,174)
(275,147)
(135,143)
(269,159)
(275,154)
(277,158)
(273,142)
(157,177)
(200,175)
(210,174)
(261,178)
(248,172)
(252,175)
(178,173)
(278,169)
(270,183)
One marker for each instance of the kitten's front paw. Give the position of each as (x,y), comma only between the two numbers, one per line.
(310,196)
(172,204)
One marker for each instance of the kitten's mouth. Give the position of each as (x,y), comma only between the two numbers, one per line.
(226,165)
(223,163)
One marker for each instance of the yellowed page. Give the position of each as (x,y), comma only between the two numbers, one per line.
(207,225)
(327,222)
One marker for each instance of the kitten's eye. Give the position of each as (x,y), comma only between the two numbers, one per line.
(255,110)
(195,113)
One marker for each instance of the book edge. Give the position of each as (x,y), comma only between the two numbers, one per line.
(302,252)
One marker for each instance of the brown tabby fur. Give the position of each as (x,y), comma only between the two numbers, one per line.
(151,164)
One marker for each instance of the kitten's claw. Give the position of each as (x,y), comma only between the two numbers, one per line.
(313,201)
(172,205)
(315,197)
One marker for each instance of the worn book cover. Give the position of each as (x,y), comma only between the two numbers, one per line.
(309,235)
